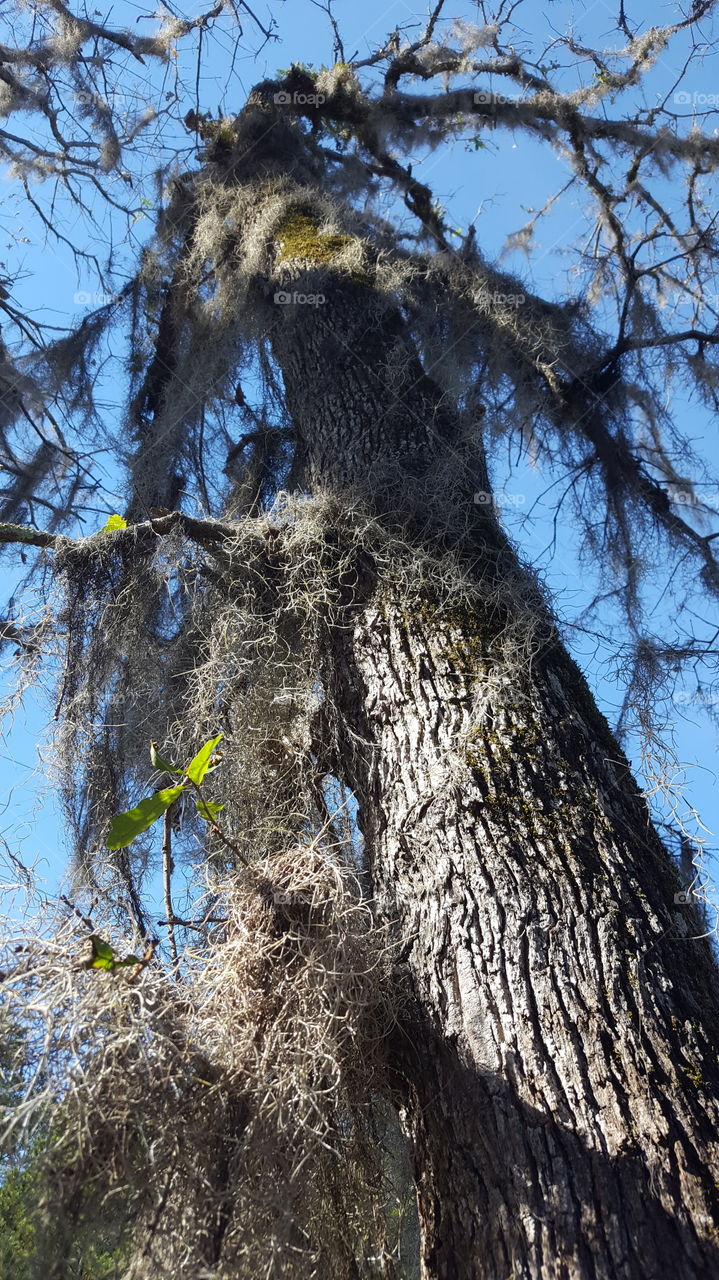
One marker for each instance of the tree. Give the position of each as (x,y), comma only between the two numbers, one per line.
(94,1253)
(501,962)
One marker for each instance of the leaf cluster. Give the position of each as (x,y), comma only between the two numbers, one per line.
(126,827)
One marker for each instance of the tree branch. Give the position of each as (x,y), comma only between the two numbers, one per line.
(201,531)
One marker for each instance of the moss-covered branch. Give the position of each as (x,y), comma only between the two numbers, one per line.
(24,533)
(200,531)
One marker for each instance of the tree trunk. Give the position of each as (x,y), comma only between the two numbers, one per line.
(557,1072)
(556,1063)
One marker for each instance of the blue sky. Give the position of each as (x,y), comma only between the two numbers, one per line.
(495,187)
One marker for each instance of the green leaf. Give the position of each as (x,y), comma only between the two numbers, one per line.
(198,767)
(114,522)
(126,826)
(159,762)
(103,956)
(208,810)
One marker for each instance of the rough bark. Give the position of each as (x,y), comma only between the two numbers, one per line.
(560,1077)
(557,1068)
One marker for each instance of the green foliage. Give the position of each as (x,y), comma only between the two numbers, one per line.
(103,956)
(307,69)
(93,1248)
(95,1251)
(199,765)
(145,205)
(125,827)
(208,810)
(113,523)
(13,1056)
(18,1196)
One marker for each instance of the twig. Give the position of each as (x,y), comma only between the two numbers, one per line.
(85,919)
(168,867)
(218,829)
(194,924)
